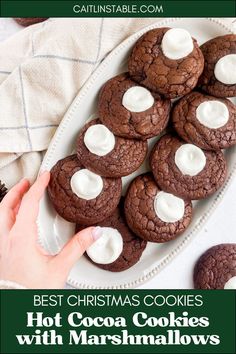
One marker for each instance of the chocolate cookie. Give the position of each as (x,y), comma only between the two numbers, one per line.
(133,246)
(216,268)
(3,190)
(205,121)
(154,215)
(185,170)
(167,61)
(219,75)
(108,155)
(81,196)
(130,110)
(27,21)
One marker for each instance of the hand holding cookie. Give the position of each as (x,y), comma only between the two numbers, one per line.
(22,259)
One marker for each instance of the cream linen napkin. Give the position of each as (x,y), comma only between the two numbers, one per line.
(42,69)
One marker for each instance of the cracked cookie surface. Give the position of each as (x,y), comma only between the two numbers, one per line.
(213,50)
(215,267)
(140,213)
(121,121)
(125,158)
(191,130)
(148,66)
(73,208)
(170,178)
(28,21)
(133,246)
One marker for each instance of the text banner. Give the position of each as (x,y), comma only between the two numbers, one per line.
(118,8)
(144,321)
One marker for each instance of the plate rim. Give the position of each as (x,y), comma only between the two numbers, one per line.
(62,126)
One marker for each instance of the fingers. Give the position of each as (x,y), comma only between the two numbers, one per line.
(74,249)
(15,194)
(30,204)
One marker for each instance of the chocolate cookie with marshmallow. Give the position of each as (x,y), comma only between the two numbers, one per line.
(185,170)
(216,268)
(118,248)
(153,214)
(166,60)
(108,155)
(81,196)
(206,121)
(219,75)
(130,110)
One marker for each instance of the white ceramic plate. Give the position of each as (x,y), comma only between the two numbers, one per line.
(54,231)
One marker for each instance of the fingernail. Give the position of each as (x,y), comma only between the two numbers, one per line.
(97,232)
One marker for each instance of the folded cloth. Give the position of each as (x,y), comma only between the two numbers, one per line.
(42,69)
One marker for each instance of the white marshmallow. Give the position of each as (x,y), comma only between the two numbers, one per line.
(137,99)
(99,140)
(230,284)
(225,69)
(107,248)
(86,184)
(177,43)
(190,159)
(212,114)
(168,207)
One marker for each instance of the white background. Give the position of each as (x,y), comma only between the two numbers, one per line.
(221,227)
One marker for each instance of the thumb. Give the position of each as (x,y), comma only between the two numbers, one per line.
(75,248)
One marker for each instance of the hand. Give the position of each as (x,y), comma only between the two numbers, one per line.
(21,259)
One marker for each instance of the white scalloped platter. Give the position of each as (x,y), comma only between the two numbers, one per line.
(54,231)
